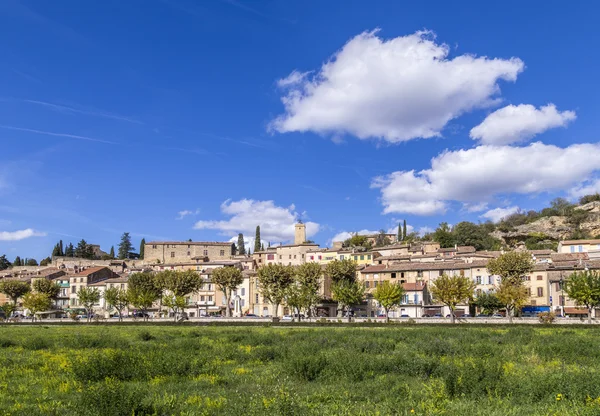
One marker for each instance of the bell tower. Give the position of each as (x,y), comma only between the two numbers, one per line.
(300,233)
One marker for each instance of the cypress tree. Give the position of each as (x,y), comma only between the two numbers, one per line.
(257,239)
(70,251)
(62,251)
(262,247)
(56,251)
(404,230)
(241,249)
(17,261)
(112,252)
(142,244)
(399,233)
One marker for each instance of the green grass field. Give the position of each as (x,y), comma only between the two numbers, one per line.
(405,370)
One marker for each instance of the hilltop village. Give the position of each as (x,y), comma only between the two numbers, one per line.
(414,266)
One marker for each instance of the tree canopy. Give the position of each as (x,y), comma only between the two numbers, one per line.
(341,270)
(227,280)
(452,291)
(584,288)
(274,279)
(88,297)
(388,295)
(14,289)
(125,246)
(47,287)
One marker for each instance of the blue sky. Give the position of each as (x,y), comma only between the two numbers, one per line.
(165,118)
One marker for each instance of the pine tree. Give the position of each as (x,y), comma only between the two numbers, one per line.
(262,247)
(62,251)
(241,248)
(125,246)
(56,251)
(17,261)
(399,233)
(257,239)
(404,231)
(142,247)
(82,250)
(69,251)
(112,252)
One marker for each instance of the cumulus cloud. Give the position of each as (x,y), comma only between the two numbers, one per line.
(586,188)
(475,207)
(344,235)
(182,214)
(477,175)
(20,234)
(276,223)
(497,214)
(396,90)
(518,123)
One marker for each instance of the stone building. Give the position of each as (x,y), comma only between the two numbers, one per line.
(185,251)
(85,278)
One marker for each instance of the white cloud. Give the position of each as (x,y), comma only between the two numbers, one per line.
(475,207)
(396,89)
(276,223)
(182,214)
(497,214)
(514,124)
(344,235)
(20,234)
(249,242)
(425,230)
(587,188)
(477,175)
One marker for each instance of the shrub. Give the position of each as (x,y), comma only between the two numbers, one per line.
(36,343)
(112,398)
(145,336)
(306,367)
(547,317)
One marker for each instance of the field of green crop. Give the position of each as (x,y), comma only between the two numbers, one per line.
(404,370)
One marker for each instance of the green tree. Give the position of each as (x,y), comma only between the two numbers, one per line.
(399,236)
(112,252)
(142,299)
(118,299)
(17,261)
(4,263)
(357,241)
(227,280)
(307,278)
(382,239)
(341,270)
(61,249)
(512,267)
(404,231)
(8,309)
(182,283)
(145,281)
(56,251)
(47,287)
(347,293)
(70,251)
(14,289)
(451,291)
(84,250)
(388,295)
(241,248)
(488,302)
(174,303)
(125,246)
(561,206)
(273,281)
(443,235)
(142,248)
(46,261)
(36,302)
(32,262)
(293,298)
(589,198)
(584,288)
(477,235)
(88,297)
(257,239)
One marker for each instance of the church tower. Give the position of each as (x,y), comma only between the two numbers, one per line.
(300,234)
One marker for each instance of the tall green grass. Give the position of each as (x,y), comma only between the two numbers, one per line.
(169,370)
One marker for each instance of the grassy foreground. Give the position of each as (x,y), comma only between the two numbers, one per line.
(407,370)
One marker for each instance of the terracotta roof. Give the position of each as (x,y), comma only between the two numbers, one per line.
(542,252)
(569,256)
(89,271)
(393,246)
(395,257)
(575,242)
(50,271)
(422,256)
(414,286)
(191,243)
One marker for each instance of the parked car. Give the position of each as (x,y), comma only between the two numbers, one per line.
(404,316)
(381,315)
(497,315)
(286,318)
(466,315)
(437,315)
(140,315)
(483,315)
(251,315)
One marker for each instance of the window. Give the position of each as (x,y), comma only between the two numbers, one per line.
(580,249)
(393,275)
(209,286)
(294,256)
(416,298)
(402,274)
(419,273)
(540,277)
(320,257)
(528,291)
(368,257)
(188,246)
(270,257)
(312,257)
(202,298)
(572,249)
(478,280)
(205,252)
(462,272)
(302,255)
(367,284)
(73,289)
(375,283)
(210,298)
(154,246)
(540,291)
(242,302)
(441,272)
(341,257)
(256,298)
(172,254)
(527,278)
(290,256)
(362,257)
(222,253)
(558,286)
(189,253)
(243,291)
